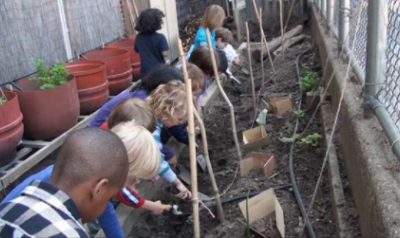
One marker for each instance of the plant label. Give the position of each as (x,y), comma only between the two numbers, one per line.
(263,205)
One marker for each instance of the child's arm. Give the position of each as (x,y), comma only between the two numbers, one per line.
(169,175)
(157,208)
(130,197)
(108,221)
(163,46)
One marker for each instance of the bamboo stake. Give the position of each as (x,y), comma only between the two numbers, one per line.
(262,55)
(221,89)
(192,144)
(263,38)
(282,32)
(209,167)
(253,90)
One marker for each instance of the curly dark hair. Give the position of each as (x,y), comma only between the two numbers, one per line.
(149,21)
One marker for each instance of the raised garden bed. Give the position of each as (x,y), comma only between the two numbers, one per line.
(307,162)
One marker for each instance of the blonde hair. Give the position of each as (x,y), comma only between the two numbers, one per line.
(133,109)
(196,75)
(168,98)
(143,153)
(213,17)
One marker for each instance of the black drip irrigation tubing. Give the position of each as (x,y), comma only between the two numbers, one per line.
(291,170)
(12,82)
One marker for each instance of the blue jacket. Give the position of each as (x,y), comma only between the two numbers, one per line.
(108,220)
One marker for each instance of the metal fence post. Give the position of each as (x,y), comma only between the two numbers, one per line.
(344,21)
(64,26)
(376,47)
(329,13)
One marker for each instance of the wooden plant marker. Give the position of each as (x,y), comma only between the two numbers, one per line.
(281,105)
(266,162)
(254,138)
(263,205)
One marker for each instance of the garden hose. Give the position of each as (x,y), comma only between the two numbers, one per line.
(292,147)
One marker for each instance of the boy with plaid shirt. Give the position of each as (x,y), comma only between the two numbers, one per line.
(81,184)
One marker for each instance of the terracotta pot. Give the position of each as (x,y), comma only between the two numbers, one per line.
(92,84)
(129,44)
(48,113)
(11,128)
(119,71)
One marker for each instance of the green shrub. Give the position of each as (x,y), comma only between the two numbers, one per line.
(3,98)
(49,77)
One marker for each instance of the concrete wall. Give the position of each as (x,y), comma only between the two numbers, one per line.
(373,170)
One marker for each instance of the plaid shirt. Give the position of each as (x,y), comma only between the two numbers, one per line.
(42,210)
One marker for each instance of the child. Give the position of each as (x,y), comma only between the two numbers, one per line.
(140,112)
(213,18)
(151,46)
(147,158)
(81,184)
(223,40)
(162,74)
(229,23)
(169,106)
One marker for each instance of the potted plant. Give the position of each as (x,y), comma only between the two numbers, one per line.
(92,84)
(49,101)
(11,127)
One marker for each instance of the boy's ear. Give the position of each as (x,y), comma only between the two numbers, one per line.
(100,188)
(219,39)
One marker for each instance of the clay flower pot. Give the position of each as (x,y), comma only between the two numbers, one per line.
(92,84)
(48,113)
(129,44)
(118,65)
(11,128)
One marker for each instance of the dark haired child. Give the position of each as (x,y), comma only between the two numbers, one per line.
(151,46)
(229,23)
(76,190)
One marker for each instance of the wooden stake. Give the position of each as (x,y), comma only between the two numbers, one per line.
(281,16)
(253,90)
(129,4)
(263,38)
(221,89)
(221,215)
(287,22)
(192,144)
(262,54)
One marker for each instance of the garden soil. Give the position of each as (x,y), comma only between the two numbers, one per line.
(307,162)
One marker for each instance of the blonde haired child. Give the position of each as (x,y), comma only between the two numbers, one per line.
(169,106)
(143,163)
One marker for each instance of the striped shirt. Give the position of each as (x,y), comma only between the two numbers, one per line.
(42,210)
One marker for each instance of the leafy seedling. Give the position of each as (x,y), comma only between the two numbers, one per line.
(309,82)
(311,139)
(290,139)
(299,113)
(3,98)
(49,77)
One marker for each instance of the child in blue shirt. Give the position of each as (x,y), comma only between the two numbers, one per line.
(213,18)
(151,46)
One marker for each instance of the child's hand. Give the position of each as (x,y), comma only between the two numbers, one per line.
(184,192)
(159,208)
(155,179)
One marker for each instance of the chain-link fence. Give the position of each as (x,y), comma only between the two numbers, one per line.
(392,86)
(357,44)
(33,28)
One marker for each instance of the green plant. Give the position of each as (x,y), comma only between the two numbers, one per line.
(49,77)
(290,139)
(299,113)
(309,80)
(3,98)
(311,139)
